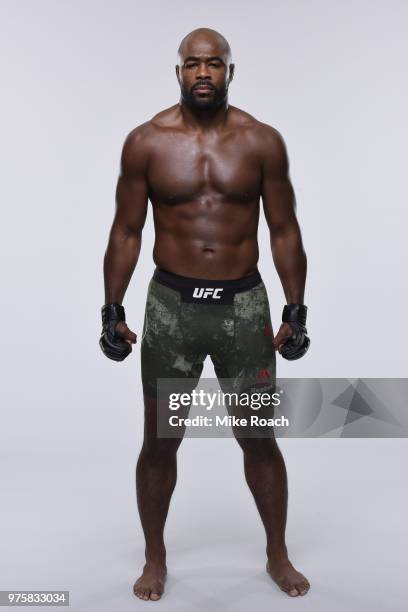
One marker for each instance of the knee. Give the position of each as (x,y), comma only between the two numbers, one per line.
(160,450)
(263,449)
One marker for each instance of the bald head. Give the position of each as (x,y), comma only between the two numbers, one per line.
(204,40)
(204,70)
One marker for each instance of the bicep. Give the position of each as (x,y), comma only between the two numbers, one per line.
(278,197)
(131,203)
(132,187)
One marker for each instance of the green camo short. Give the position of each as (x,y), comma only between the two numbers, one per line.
(187,319)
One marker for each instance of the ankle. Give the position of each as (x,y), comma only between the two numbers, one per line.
(277,554)
(156,556)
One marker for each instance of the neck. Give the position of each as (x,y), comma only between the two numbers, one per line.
(204,118)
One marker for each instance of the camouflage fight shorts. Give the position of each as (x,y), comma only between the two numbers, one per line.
(187,319)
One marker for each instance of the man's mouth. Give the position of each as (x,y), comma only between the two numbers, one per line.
(203,88)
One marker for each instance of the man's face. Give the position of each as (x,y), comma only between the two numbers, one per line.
(204,75)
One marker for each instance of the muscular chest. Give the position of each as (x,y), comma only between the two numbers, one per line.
(184,168)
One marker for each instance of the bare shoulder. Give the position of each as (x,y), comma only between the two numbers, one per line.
(141,139)
(240,118)
(167,118)
(272,148)
(135,149)
(267,139)
(139,142)
(270,140)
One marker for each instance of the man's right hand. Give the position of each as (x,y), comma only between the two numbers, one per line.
(116,339)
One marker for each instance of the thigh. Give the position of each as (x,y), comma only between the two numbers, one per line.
(165,353)
(248,370)
(250,360)
(153,440)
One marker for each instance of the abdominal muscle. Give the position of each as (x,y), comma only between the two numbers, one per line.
(218,246)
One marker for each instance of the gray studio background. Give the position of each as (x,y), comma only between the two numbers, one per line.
(76,78)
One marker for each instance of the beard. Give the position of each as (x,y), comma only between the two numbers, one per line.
(214,100)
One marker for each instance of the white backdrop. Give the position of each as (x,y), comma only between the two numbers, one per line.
(76,78)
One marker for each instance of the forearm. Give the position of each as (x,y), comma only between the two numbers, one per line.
(120,260)
(290,262)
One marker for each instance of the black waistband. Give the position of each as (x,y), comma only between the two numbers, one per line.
(205,291)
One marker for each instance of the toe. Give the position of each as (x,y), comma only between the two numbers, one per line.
(302,587)
(143,594)
(287,587)
(155,596)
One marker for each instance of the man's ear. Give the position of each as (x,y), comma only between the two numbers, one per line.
(178,72)
(231,72)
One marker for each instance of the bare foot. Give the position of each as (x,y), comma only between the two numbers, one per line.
(150,585)
(287,578)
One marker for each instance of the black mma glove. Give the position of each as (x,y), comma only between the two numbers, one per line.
(297,345)
(111,343)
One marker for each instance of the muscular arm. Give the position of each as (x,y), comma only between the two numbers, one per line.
(125,236)
(279,206)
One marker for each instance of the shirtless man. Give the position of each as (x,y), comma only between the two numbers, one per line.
(205,165)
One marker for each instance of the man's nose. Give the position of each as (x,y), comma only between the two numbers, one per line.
(203,72)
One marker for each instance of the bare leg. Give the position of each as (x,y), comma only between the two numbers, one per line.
(265,473)
(156,475)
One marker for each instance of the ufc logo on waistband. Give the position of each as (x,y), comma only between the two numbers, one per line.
(200,292)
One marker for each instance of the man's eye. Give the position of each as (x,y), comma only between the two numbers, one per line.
(191,65)
(214,64)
